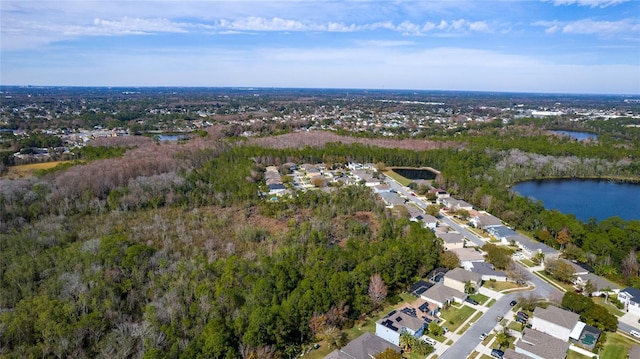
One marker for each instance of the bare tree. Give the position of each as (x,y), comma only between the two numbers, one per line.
(629,265)
(377,289)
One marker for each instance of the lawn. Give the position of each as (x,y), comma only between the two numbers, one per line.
(500,286)
(575,355)
(480,298)
(491,302)
(616,346)
(528,262)
(454,317)
(610,307)
(400,179)
(465,327)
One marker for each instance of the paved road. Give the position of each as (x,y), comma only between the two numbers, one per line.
(470,339)
(462,230)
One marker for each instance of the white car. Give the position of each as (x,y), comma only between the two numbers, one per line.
(483,336)
(430,341)
(635,333)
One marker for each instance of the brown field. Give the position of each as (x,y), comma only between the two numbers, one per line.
(27,170)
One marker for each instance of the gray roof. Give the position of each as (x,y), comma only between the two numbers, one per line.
(512,354)
(542,345)
(576,268)
(463,276)
(451,237)
(486,219)
(502,231)
(561,317)
(398,320)
(598,282)
(634,352)
(429,218)
(532,245)
(441,294)
(365,346)
(484,268)
(391,198)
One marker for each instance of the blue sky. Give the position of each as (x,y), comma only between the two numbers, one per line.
(560,46)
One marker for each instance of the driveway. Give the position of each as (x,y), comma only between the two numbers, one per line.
(470,339)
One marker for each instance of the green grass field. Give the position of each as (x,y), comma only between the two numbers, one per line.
(480,298)
(400,179)
(454,317)
(616,347)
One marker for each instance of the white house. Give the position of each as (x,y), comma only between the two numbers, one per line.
(468,256)
(430,221)
(556,322)
(630,297)
(395,323)
(599,284)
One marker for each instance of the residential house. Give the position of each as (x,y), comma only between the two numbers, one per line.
(382,188)
(630,297)
(395,323)
(276,189)
(634,352)
(577,270)
(442,295)
(512,354)
(488,272)
(392,199)
(455,204)
(483,220)
(439,193)
(531,248)
(502,233)
(458,278)
(468,256)
(366,346)
(367,178)
(430,221)
(538,345)
(451,240)
(600,285)
(556,322)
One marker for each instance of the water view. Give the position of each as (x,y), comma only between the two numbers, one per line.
(580,136)
(599,199)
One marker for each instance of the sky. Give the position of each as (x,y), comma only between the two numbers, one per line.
(553,46)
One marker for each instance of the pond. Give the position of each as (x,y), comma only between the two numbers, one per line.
(585,198)
(580,136)
(163,138)
(415,173)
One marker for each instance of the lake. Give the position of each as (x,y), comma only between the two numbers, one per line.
(599,199)
(172,138)
(580,136)
(414,173)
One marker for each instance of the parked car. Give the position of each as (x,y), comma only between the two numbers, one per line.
(513,302)
(523,315)
(499,318)
(521,320)
(635,333)
(483,336)
(430,341)
(472,301)
(497,353)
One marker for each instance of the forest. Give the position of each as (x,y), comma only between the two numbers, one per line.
(165,250)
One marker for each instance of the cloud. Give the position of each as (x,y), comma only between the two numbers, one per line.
(591,27)
(590,3)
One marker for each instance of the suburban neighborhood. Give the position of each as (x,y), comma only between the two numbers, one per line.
(471,310)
